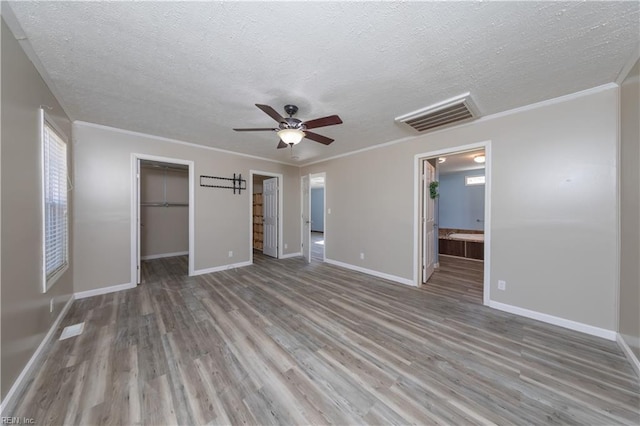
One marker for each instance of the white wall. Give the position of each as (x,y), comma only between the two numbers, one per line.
(553,205)
(103,204)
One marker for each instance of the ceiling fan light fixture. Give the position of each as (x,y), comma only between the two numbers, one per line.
(291,136)
(479,159)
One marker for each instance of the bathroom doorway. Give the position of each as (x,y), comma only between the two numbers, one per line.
(452,227)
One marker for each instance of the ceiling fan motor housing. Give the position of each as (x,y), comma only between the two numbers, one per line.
(292,123)
(291,110)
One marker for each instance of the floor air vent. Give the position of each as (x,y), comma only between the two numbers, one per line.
(454,110)
(72,331)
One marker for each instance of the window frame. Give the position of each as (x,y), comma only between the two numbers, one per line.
(468,180)
(46,122)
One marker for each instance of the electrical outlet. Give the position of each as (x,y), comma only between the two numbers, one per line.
(51,305)
(361,255)
(502,285)
(286,246)
(230,253)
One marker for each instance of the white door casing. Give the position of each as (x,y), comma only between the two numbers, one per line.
(270,217)
(428,221)
(138,266)
(306,220)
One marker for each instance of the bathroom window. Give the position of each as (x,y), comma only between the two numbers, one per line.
(54,202)
(473,180)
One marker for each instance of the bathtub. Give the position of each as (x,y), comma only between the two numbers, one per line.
(461,244)
(467,237)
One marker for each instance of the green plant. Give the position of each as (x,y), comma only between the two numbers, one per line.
(433,189)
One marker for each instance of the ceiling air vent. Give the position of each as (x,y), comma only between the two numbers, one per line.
(451,111)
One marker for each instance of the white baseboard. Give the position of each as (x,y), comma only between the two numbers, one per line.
(378,274)
(163,255)
(287,256)
(221,268)
(550,319)
(633,359)
(8,399)
(103,290)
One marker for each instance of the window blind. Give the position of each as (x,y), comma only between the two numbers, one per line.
(55,203)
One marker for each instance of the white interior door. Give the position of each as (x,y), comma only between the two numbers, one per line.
(139,231)
(428,222)
(270,217)
(306,220)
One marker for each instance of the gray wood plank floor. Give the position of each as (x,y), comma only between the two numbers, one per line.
(283,342)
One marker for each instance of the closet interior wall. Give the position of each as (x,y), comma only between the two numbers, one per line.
(164,210)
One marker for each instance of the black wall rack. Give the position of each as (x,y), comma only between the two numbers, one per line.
(237,183)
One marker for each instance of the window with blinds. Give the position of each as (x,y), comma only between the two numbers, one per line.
(56,227)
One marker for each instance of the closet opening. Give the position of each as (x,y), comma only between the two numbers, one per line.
(265,217)
(162,234)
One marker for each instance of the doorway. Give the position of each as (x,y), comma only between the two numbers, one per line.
(265,218)
(317,198)
(162,214)
(313,226)
(452,227)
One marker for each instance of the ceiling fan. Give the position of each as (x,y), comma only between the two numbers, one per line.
(291,130)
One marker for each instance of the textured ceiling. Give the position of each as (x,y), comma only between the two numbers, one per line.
(193,71)
(460,162)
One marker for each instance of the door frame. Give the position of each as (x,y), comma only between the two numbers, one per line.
(417,187)
(324,211)
(280,209)
(135,206)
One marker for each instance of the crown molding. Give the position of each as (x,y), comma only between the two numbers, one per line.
(490,117)
(176,141)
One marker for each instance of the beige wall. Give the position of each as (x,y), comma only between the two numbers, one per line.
(629,325)
(553,206)
(164,230)
(103,201)
(25,309)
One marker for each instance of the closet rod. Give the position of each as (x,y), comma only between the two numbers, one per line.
(164,204)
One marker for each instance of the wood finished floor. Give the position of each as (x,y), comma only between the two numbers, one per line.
(284,342)
(317,246)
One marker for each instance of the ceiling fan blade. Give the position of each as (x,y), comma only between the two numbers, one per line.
(264,129)
(324,121)
(318,138)
(271,112)
(281,144)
